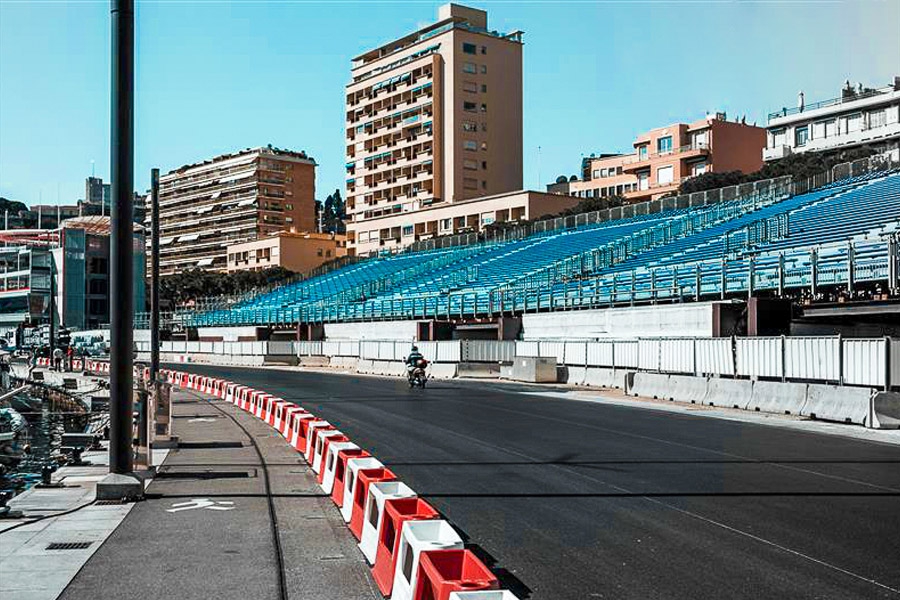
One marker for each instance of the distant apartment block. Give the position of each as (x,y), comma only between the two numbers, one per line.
(860,116)
(233,198)
(297,252)
(665,157)
(433,119)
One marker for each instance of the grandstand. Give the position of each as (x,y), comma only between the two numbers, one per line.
(773,240)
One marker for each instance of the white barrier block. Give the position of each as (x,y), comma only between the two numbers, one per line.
(575,375)
(313,426)
(354,466)
(605,377)
(884,411)
(651,385)
(320,448)
(837,403)
(379,492)
(484,595)
(777,397)
(443,370)
(417,537)
(331,463)
(732,393)
(687,388)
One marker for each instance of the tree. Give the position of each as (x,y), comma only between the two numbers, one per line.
(191,285)
(334,214)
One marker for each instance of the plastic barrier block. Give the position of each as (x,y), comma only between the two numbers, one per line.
(273,411)
(322,438)
(351,481)
(301,430)
(332,449)
(341,470)
(366,477)
(287,418)
(484,595)
(373,515)
(396,513)
(445,571)
(417,537)
(313,432)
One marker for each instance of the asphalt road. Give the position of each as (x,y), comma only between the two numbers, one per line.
(585,500)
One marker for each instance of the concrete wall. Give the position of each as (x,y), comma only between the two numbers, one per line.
(378,330)
(688,320)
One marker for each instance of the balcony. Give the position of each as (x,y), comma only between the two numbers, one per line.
(864,135)
(683,153)
(779,151)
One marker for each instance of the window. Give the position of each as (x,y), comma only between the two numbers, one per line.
(818,130)
(779,137)
(470,165)
(484,88)
(470,107)
(470,68)
(327,253)
(644,180)
(319,253)
(407,231)
(469,126)
(699,140)
(470,184)
(664,175)
(484,185)
(618,170)
(446,224)
(698,168)
(484,127)
(288,207)
(470,86)
(853,122)
(664,144)
(483,107)
(877,118)
(642,152)
(484,146)
(484,49)
(604,173)
(595,174)
(470,48)
(470,145)
(483,69)
(801,135)
(484,164)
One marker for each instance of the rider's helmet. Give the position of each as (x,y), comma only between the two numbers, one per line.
(415,348)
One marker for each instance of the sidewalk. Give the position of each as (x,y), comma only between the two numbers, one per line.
(205,532)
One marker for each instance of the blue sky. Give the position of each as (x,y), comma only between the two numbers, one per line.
(213,77)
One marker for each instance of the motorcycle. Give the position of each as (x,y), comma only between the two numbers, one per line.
(417,375)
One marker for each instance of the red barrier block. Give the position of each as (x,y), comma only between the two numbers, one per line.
(445,571)
(300,435)
(396,513)
(287,418)
(324,452)
(366,476)
(314,431)
(274,409)
(340,472)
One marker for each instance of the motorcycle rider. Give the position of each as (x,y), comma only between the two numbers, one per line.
(412,360)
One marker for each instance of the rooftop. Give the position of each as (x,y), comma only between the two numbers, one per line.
(269,150)
(848,94)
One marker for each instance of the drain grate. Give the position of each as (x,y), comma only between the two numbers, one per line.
(208,445)
(108,503)
(69,545)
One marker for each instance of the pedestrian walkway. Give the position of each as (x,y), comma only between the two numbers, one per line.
(205,529)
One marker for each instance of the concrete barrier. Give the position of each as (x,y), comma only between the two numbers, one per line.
(884,411)
(315,361)
(650,385)
(687,388)
(606,377)
(479,370)
(732,393)
(844,404)
(443,370)
(573,375)
(777,397)
(532,369)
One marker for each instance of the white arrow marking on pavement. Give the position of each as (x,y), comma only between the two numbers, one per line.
(201,503)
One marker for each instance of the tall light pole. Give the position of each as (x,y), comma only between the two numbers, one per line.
(154,272)
(121,297)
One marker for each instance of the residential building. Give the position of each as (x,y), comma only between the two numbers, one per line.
(860,116)
(458,217)
(297,252)
(240,197)
(75,257)
(434,118)
(665,157)
(96,196)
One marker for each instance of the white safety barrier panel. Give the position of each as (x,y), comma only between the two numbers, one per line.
(483,595)
(556,350)
(527,349)
(379,492)
(331,463)
(884,411)
(777,397)
(733,393)
(651,385)
(676,356)
(417,537)
(837,403)
(812,358)
(575,353)
(488,351)
(864,361)
(319,450)
(714,356)
(626,354)
(354,466)
(760,357)
(600,354)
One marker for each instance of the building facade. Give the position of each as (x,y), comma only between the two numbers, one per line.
(233,198)
(72,264)
(665,157)
(297,252)
(860,116)
(433,118)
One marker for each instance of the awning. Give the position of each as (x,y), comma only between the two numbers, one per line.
(166,241)
(205,209)
(236,176)
(216,194)
(205,262)
(191,237)
(247,202)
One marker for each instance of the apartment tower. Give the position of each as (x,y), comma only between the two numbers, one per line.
(433,118)
(233,198)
